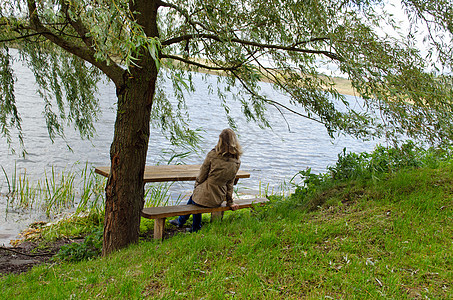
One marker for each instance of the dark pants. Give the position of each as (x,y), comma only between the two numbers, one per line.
(196,225)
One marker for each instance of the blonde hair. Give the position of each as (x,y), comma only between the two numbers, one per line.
(228,144)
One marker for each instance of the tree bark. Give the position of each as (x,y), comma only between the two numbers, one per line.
(125,186)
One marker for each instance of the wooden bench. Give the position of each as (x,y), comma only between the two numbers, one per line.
(162,212)
(165,173)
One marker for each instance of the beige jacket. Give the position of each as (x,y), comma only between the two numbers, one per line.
(215,180)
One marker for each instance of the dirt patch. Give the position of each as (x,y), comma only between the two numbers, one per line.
(23,257)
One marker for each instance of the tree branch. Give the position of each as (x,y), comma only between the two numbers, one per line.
(114,72)
(78,26)
(317,39)
(182,12)
(272,102)
(26,254)
(83,32)
(20,37)
(190,62)
(250,43)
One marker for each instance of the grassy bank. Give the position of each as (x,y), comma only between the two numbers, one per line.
(376,227)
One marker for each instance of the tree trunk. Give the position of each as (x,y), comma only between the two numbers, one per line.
(125,186)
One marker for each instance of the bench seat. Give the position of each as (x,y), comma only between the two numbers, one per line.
(162,212)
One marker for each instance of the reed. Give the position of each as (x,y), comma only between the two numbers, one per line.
(263,191)
(20,193)
(55,192)
(78,188)
(59,193)
(160,195)
(26,196)
(11,183)
(92,193)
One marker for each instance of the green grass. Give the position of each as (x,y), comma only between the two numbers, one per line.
(386,238)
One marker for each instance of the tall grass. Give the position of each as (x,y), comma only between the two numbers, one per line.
(92,193)
(58,192)
(20,192)
(81,190)
(55,192)
(159,194)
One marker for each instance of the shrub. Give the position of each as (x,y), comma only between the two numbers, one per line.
(91,247)
(364,166)
(385,160)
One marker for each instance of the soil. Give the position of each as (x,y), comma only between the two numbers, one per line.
(21,258)
(27,254)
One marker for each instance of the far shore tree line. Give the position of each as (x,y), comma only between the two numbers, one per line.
(70,45)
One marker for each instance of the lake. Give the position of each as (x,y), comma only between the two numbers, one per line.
(272,156)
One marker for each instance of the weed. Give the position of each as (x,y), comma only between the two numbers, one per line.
(90,247)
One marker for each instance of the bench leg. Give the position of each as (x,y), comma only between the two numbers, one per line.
(216,216)
(159,225)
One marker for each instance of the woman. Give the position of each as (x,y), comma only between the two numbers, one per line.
(214,183)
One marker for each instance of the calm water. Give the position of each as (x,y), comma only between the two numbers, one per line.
(271,156)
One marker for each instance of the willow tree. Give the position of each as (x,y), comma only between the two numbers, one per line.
(70,44)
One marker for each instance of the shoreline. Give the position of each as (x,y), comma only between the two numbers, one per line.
(342,85)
